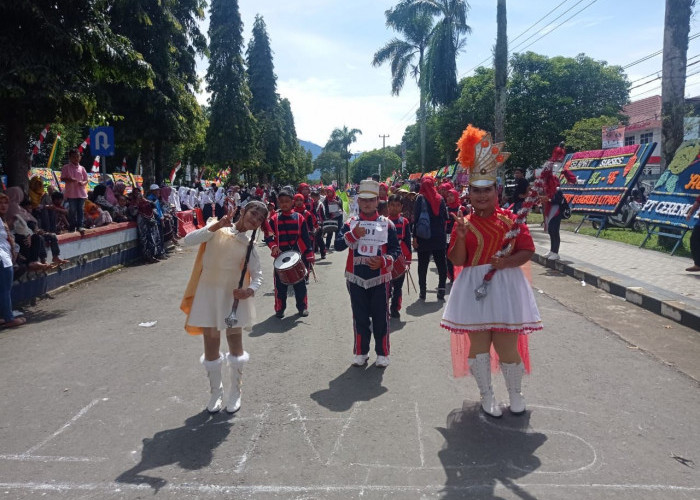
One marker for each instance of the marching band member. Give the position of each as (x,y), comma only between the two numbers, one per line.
(333,207)
(318,211)
(223,252)
(403,233)
(499,320)
(368,273)
(285,231)
(305,191)
(311,225)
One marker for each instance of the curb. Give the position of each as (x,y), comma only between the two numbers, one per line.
(668,305)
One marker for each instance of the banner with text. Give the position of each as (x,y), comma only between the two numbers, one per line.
(604,177)
(676,189)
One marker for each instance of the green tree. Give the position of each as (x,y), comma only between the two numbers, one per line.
(547,96)
(367,164)
(446,41)
(340,141)
(433,156)
(586,134)
(231,133)
(330,163)
(53,58)
(167,33)
(401,54)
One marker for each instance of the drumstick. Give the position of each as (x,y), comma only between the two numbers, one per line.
(313,271)
(410,277)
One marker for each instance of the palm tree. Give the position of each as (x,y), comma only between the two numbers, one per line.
(416,29)
(445,43)
(500,65)
(340,141)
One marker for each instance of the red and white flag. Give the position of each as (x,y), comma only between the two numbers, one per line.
(85,144)
(40,141)
(174,171)
(96,165)
(124,164)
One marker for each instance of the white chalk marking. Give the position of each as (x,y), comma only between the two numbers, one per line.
(305,431)
(336,446)
(555,408)
(419,430)
(280,489)
(46,459)
(253,441)
(65,426)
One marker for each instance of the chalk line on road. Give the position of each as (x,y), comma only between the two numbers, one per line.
(253,441)
(336,446)
(305,431)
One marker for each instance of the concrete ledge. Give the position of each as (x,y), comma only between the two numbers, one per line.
(668,304)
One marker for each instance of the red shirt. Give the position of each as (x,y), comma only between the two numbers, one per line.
(486,235)
(558,154)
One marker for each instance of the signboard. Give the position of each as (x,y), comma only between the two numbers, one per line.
(676,189)
(613,137)
(102,141)
(604,177)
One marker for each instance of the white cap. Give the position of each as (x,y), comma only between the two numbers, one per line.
(368,189)
(154,187)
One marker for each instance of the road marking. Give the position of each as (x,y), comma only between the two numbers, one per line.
(46,459)
(336,446)
(65,426)
(253,441)
(305,431)
(420,435)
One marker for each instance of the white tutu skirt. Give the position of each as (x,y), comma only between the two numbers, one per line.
(509,306)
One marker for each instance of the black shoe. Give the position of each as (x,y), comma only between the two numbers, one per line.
(280,314)
(304,313)
(441,294)
(395,313)
(422,295)
(323,257)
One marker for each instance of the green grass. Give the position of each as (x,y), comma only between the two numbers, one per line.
(622,235)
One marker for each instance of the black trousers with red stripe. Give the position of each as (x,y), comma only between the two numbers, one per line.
(281,295)
(370,315)
(397,292)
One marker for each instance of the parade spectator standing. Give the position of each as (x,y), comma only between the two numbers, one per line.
(694,238)
(558,153)
(520,192)
(551,203)
(76,179)
(429,200)
(7,255)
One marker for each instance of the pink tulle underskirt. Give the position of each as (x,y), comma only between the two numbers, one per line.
(460,352)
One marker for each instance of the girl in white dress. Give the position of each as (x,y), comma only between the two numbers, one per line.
(210,293)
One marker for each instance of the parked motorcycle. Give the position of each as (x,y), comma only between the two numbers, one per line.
(626,217)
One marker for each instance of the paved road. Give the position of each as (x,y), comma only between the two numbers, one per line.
(95,406)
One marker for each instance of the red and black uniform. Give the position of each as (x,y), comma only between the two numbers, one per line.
(319,212)
(403,234)
(288,231)
(369,288)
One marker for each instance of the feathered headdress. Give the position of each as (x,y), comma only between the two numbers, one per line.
(480,155)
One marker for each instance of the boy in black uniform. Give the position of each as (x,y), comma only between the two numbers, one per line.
(403,233)
(286,230)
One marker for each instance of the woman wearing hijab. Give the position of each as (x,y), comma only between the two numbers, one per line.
(220,202)
(184,194)
(149,235)
(430,201)
(39,201)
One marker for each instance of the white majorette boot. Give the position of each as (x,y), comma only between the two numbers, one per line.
(216,389)
(513,374)
(235,371)
(480,368)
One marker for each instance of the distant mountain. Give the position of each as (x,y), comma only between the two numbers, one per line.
(315,149)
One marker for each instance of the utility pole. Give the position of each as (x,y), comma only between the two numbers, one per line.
(383,155)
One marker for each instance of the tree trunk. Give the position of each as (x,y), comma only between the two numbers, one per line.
(501,71)
(421,113)
(675,56)
(147,163)
(16,148)
(158,161)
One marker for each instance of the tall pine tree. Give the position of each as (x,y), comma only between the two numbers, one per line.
(230,137)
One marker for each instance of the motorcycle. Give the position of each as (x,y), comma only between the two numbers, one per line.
(626,217)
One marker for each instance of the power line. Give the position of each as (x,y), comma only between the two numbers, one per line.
(659,77)
(538,21)
(654,54)
(659,70)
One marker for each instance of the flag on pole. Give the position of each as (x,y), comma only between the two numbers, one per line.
(53,151)
(40,141)
(124,164)
(174,171)
(96,165)
(85,144)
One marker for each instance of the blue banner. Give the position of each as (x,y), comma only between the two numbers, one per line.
(604,177)
(676,190)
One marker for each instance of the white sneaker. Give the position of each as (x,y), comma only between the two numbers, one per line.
(553,256)
(382,361)
(546,256)
(360,359)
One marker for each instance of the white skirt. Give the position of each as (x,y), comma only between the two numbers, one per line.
(212,305)
(509,305)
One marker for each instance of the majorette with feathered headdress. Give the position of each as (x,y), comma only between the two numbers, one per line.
(489,245)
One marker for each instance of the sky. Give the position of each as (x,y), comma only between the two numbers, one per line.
(323,49)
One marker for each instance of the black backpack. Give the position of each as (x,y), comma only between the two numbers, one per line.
(564,208)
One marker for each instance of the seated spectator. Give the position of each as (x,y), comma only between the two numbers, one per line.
(121,210)
(32,248)
(95,216)
(7,257)
(57,214)
(100,199)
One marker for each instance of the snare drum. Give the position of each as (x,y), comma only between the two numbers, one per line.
(290,268)
(399,268)
(330,226)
